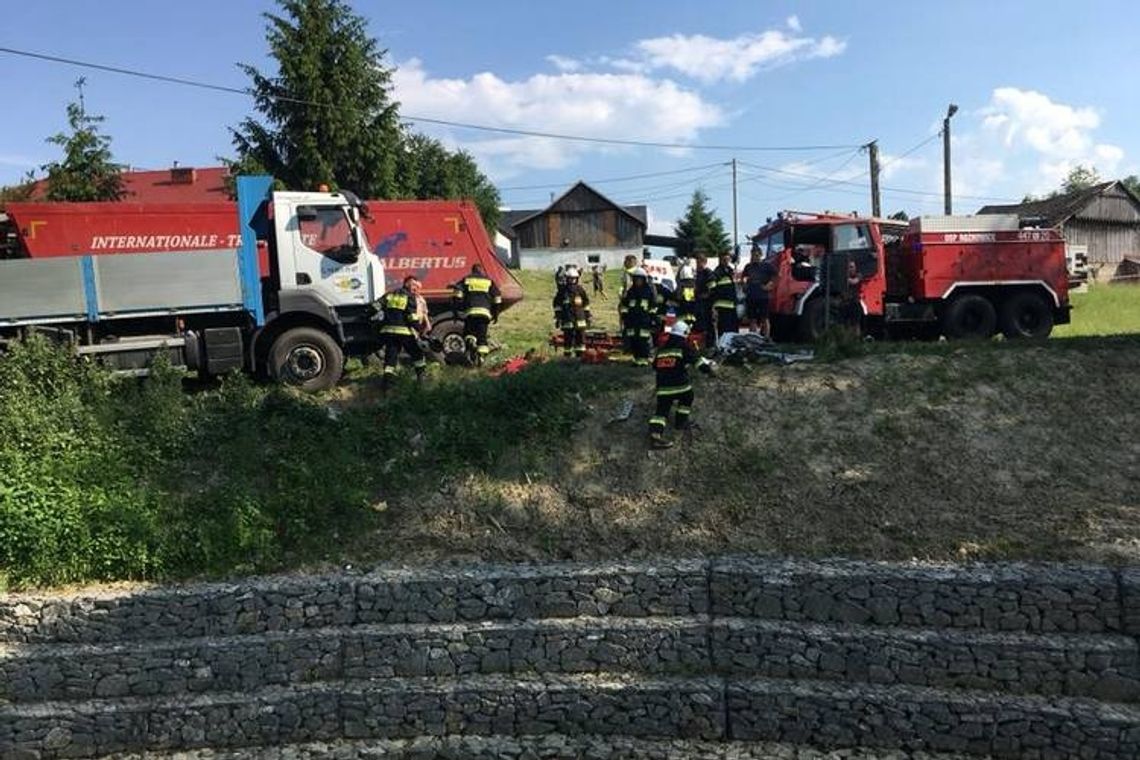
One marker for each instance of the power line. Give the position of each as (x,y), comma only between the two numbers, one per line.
(911,191)
(422,119)
(614,179)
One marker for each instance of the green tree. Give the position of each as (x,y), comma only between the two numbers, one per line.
(21,191)
(86,172)
(1080,177)
(428,170)
(1132,182)
(327,116)
(701,227)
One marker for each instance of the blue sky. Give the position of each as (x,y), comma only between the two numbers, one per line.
(1039,90)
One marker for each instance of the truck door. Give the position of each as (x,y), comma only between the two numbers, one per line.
(853,244)
(327,255)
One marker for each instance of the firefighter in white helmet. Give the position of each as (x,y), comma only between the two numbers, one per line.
(638,309)
(572,312)
(674,385)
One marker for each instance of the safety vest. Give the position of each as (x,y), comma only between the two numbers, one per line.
(400,315)
(480,296)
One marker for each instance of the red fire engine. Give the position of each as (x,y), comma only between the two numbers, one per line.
(958,276)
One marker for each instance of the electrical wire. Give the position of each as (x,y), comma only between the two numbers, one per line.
(609,180)
(421,119)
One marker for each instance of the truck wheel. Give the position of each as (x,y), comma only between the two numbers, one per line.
(449,337)
(810,326)
(969,317)
(306,358)
(1026,315)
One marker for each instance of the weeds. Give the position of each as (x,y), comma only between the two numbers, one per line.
(106,479)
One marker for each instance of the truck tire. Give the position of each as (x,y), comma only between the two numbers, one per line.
(1026,316)
(969,317)
(306,358)
(448,335)
(811,323)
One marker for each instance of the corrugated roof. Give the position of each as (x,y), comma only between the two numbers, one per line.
(1058,209)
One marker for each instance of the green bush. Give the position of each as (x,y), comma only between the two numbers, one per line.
(104,478)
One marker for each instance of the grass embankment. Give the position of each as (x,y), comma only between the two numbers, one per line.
(1104,310)
(105,478)
(944,451)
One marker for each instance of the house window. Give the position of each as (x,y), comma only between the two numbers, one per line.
(594,259)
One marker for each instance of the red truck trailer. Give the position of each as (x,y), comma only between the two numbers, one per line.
(958,276)
(437,241)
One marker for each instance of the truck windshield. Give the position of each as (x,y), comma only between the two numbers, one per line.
(327,231)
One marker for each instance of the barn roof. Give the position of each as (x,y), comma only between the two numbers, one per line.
(1060,208)
(511,219)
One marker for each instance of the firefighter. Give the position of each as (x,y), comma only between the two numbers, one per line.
(639,316)
(674,386)
(724,297)
(572,312)
(703,277)
(683,299)
(479,299)
(400,321)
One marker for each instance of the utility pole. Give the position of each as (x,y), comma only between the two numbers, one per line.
(735,244)
(953,109)
(873,151)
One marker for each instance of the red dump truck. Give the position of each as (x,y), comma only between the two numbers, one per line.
(437,241)
(958,276)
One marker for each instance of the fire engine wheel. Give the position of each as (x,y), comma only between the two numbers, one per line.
(969,317)
(306,358)
(1026,316)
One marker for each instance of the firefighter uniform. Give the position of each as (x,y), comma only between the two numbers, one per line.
(572,313)
(398,331)
(674,385)
(480,302)
(724,299)
(704,281)
(683,299)
(638,309)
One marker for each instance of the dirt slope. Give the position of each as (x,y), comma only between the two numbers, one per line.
(979,453)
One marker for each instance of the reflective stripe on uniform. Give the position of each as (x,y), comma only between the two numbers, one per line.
(683,411)
(478,284)
(657,421)
(478,311)
(726,305)
(389,369)
(667,352)
(395,330)
(674,391)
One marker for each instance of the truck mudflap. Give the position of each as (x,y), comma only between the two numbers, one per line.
(1062,315)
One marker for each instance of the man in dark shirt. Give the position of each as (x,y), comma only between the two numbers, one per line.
(757,283)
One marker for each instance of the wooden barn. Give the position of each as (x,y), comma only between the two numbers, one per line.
(1104,219)
(581,227)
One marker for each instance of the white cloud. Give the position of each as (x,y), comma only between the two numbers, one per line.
(794,23)
(1053,136)
(710,59)
(891,166)
(626,106)
(564,63)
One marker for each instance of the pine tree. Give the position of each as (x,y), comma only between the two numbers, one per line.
(86,172)
(328,115)
(702,228)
